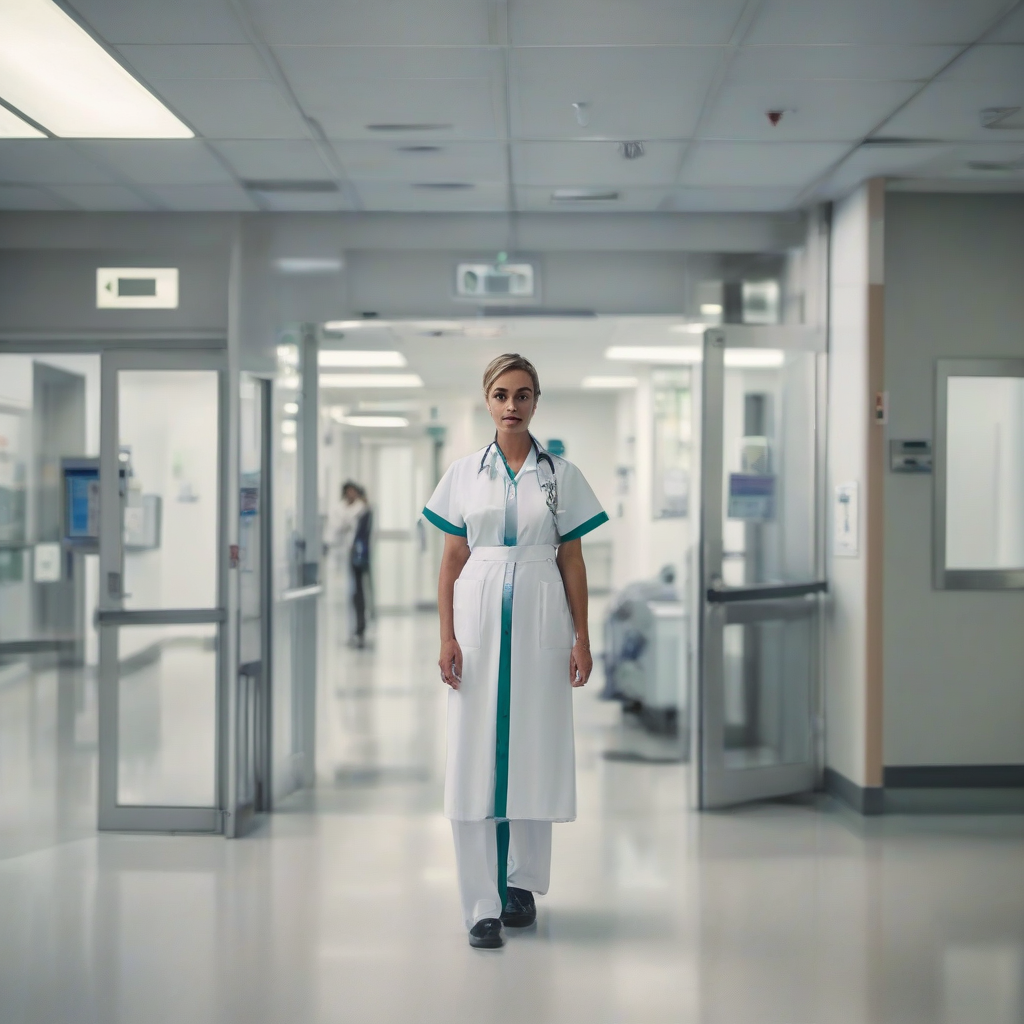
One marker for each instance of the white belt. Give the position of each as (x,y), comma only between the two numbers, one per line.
(519,553)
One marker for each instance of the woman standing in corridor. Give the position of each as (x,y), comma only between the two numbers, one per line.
(512,596)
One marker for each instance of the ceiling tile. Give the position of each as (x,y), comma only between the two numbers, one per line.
(734,200)
(877,63)
(160,162)
(961,163)
(47,161)
(758,163)
(814,111)
(195,61)
(1004,64)
(631,200)
(203,197)
(951,110)
(24,197)
(454,161)
(271,158)
(568,164)
(917,22)
(596,22)
(161,21)
(102,197)
(880,161)
(381,22)
(378,196)
(471,106)
(630,92)
(232,108)
(1012,30)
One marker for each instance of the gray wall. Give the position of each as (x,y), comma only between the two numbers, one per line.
(954,661)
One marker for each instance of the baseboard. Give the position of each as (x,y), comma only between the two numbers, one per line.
(955,776)
(867,800)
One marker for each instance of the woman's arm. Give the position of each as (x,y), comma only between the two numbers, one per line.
(456,554)
(574,579)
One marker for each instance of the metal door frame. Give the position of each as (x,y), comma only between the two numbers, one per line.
(111,615)
(714,784)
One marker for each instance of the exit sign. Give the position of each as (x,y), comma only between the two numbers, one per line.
(137,288)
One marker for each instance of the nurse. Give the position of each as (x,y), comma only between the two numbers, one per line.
(512,595)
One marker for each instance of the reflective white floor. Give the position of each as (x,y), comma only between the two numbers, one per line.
(343,907)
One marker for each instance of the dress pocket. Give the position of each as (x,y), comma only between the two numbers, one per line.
(467,606)
(556,632)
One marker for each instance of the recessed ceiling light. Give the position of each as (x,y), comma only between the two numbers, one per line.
(608,382)
(710,309)
(375,421)
(754,358)
(291,408)
(677,354)
(333,357)
(584,195)
(13,127)
(688,328)
(307,265)
(370,380)
(57,74)
(337,326)
(408,126)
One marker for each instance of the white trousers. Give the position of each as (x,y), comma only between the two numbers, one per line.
(476,854)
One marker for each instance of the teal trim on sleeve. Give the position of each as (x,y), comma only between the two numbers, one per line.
(590,524)
(443,524)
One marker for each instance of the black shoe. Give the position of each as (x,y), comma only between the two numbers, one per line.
(486,934)
(520,909)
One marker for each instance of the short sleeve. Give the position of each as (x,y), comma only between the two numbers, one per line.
(579,511)
(443,508)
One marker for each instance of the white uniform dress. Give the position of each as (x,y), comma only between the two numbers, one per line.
(510,737)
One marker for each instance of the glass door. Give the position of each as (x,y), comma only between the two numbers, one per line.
(762,565)
(161,609)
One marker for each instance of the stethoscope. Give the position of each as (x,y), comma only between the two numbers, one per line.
(542,456)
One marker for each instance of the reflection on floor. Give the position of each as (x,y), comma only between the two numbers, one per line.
(343,907)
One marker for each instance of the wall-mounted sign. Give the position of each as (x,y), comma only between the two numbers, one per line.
(846,521)
(910,456)
(751,497)
(495,281)
(137,288)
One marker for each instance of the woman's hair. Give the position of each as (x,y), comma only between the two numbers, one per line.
(510,361)
(361,491)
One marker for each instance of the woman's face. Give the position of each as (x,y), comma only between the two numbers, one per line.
(512,402)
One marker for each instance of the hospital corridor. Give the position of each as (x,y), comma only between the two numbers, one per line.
(511,511)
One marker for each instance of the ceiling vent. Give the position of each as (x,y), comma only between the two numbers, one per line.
(408,126)
(444,186)
(897,140)
(632,150)
(1002,118)
(291,185)
(996,165)
(584,195)
(419,149)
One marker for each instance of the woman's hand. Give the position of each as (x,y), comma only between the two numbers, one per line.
(451,663)
(581,664)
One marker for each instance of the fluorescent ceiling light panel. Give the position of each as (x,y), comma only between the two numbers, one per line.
(307,265)
(332,357)
(334,326)
(608,382)
(675,354)
(710,309)
(57,74)
(13,127)
(689,328)
(375,421)
(370,380)
(754,358)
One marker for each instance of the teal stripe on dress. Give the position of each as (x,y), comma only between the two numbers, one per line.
(443,524)
(503,838)
(580,531)
(504,695)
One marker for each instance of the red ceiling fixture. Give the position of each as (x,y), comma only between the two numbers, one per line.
(774,116)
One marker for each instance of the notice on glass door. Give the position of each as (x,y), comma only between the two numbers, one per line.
(846,520)
(751,497)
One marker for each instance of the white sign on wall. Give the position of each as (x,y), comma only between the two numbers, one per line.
(846,521)
(137,288)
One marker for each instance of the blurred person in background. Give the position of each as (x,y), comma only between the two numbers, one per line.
(355,524)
